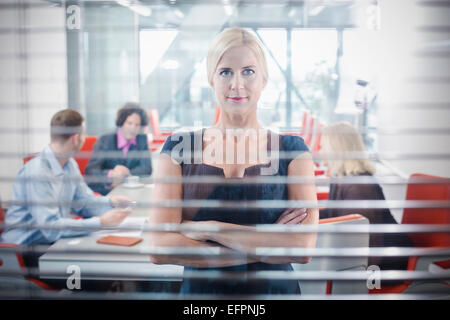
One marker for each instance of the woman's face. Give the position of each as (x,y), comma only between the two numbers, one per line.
(131,126)
(238,80)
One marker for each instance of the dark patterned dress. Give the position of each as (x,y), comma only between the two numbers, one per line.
(245,216)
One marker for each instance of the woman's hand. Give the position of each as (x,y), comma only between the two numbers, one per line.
(292,216)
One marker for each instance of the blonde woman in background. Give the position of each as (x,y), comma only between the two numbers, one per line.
(339,142)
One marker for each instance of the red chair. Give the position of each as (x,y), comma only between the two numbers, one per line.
(315,149)
(158,136)
(29,157)
(422,191)
(82,157)
(304,122)
(317,138)
(319,172)
(12,262)
(310,130)
(301,132)
(217,115)
(322,195)
(2,218)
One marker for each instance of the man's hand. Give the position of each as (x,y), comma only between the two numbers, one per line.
(292,216)
(118,174)
(113,217)
(122,202)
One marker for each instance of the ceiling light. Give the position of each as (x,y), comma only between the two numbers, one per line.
(136,6)
(178,13)
(292,12)
(316,10)
(228,9)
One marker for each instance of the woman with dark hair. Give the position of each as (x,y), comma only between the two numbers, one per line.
(122,153)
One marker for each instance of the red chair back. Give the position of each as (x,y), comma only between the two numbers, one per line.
(348,217)
(82,158)
(310,130)
(432,191)
(304,123)
(318,136)
(2,218)
(154,122)
(423,191)
(217,115)
(29,157)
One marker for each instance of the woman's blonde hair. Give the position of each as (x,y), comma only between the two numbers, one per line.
(341,140)
(228,39)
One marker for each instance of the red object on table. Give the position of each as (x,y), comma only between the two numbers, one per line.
(119,241)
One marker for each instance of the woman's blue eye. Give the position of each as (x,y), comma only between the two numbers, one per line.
(248,72)
(225,73)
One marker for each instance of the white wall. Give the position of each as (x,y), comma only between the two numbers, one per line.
(412,93)
(32,86)
(412,85)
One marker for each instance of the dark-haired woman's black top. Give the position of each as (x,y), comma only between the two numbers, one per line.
(375,216)
(137,160)
(244,216)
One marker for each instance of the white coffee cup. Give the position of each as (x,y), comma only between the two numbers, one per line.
(132,180)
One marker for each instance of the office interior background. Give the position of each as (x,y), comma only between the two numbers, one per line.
(382,65)
(93,56)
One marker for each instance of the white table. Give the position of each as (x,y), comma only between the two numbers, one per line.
(114,262)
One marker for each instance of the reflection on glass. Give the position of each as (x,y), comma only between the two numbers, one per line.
(153,44)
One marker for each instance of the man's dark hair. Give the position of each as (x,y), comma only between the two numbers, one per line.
(127,110)
(64,124)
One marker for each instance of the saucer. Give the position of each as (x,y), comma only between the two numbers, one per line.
(133,185)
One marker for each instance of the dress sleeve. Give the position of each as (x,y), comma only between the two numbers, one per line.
(179,147)
(293,146)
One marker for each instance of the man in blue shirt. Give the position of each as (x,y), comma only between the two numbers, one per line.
(49,188)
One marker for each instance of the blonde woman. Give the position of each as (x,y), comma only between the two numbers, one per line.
(345,154)
(237,72)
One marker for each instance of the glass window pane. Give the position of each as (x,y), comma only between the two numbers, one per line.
(314,54)
(272,105)
(153,44)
